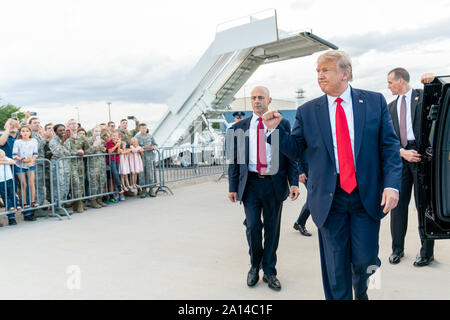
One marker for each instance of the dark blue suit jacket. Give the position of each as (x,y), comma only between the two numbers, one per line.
(238,173)
(378,162)
(302,165)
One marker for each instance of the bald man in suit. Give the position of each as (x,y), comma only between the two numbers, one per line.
(262,181)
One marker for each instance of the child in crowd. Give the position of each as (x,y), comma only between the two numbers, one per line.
(124,166)
(135,158)
(25,151)
(113,147)
(106,136)
(7,187)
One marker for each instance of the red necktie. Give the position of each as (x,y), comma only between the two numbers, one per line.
(261,158)
(344,148)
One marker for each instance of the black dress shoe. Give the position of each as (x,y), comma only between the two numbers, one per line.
(253,276)
(272,281)
(422,261)
(396,257)
(362,297)
(30,217)
(302,230)
(12,222)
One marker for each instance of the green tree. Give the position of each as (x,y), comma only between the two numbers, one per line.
(6,111)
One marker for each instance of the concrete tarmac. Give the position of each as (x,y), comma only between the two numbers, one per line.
(188,246)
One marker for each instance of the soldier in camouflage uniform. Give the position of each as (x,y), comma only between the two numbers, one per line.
(61,175)
(41,166)
(147,142)
(126,134)
(96,166)
(77,144)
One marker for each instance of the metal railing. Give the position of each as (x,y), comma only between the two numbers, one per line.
(97,175)
(22,193)
(182,163)
(62,181)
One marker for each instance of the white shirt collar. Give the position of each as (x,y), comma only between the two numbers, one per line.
(255,117)
(346,96)
(407,95)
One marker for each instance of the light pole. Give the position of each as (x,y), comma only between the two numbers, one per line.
(109,110)
(78,112)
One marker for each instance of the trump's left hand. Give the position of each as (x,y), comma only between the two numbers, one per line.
(389,200)
(294,193)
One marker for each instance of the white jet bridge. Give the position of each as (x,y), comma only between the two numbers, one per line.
(227,64)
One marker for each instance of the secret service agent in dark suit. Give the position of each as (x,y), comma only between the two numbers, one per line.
(408,132)
(259,176)
(354,173)
(304,213)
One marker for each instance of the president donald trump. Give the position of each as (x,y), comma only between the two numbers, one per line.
(355,171)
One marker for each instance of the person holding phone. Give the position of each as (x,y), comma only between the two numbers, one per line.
(97,167)
(7,139)
(26,120)
(126,134)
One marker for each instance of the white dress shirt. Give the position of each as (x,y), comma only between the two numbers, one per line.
(252,148)
(347,105)
(409,127)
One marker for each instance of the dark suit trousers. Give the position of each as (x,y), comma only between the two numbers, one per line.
(348,247)
(259,197)
(399,216)
(304,213)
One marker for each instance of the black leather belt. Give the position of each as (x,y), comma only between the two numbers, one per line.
(410,144)
(256,175)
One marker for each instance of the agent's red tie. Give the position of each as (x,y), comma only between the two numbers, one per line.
(344,148)
(261,158)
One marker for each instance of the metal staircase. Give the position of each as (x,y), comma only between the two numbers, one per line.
(234,55)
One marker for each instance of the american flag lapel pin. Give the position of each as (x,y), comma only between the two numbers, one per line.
(361,101)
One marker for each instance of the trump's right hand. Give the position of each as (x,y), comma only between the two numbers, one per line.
(272,119)
(232,196)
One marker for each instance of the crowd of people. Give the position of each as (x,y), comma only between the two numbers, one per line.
(95,167)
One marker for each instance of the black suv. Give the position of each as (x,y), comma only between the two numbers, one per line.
(434,169)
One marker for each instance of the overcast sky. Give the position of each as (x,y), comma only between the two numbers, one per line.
(59,57)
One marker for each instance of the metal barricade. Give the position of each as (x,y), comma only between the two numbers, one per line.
(151,175)
(62,181)
(91,176)
(189,162)
(27,189)
(81,178)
